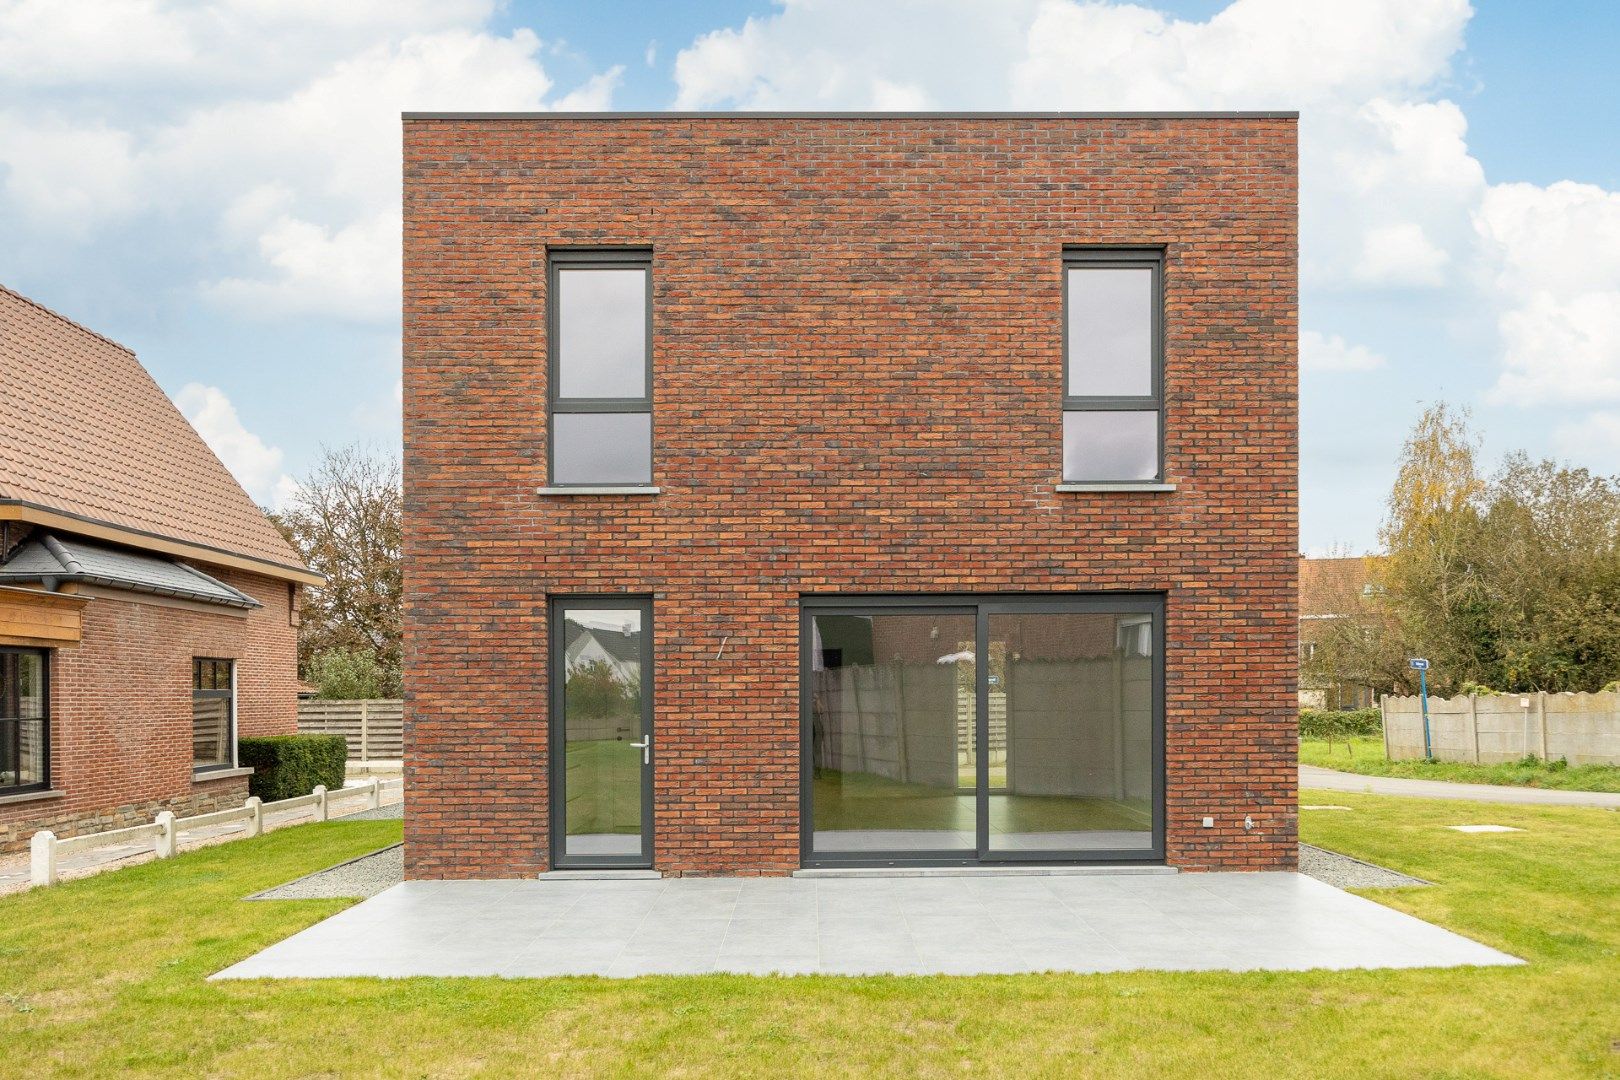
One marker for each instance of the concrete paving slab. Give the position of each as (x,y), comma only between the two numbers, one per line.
(1185,922)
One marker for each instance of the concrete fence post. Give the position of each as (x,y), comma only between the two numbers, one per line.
(365,730)
(165,837)
(320,802)
(1383,720)
(1541,721)
(42,858)
(375,799)
(1473,725)
(255,808)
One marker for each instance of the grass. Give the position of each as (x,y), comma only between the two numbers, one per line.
(603,786)
(1365,755)
(105,976)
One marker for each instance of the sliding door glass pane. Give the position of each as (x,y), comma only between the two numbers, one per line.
(1071,732)
(602,717)
(1110,332)
(892,713)
(1110,445)
(602,333)
(601,448)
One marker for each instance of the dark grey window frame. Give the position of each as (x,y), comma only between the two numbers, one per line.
(593,258)
(1149,258)
(983,605)
(211,693)
(44,783)
(556,756)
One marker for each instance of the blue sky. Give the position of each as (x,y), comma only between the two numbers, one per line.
(216,185)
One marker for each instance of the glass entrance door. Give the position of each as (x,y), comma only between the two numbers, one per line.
(601,733)
(983,729)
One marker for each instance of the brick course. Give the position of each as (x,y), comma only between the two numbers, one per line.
(857,385)
(121,707)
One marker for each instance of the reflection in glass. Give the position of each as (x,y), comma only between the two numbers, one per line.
(602,333)
(1110,332)
(601,448)
(1071,732)
(602,718)
(892,714)
(22,719)
(1110,446)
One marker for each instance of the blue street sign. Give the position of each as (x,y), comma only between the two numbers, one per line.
(1421,665)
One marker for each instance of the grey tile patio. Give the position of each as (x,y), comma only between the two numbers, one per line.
(859,926)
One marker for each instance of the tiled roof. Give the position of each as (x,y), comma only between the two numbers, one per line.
(1329,586)
(85,431)
(75,560)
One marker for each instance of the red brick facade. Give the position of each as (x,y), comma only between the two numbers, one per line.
(121,712)
(857,386)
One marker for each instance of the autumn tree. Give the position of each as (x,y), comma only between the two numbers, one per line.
(346,520)
(1511,582)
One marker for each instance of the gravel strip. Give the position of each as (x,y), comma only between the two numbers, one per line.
(382,813)
(369,875)
(1343,872)
(363,877)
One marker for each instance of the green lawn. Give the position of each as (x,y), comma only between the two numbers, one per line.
(603,787)
(105,977)
(1365,755)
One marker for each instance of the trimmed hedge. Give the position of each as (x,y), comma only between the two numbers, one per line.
(1330,724)
(287,766)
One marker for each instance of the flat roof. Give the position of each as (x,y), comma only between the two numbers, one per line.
(1240,115)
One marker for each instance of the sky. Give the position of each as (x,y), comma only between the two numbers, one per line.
(216,185)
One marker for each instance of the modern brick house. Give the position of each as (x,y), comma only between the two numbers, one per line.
(790,490)
(148,609)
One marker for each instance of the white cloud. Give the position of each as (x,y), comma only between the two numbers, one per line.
(1554,257)
(257,467)
(1330,352)
(288,181)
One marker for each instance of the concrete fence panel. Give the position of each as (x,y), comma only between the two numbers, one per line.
(1584,729)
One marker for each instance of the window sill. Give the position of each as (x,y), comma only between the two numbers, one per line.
(202,776)
(30,796)
(603,489)
(1153,486)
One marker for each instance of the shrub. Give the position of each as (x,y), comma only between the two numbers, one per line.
(348,675)
(286,766)
(1341,726)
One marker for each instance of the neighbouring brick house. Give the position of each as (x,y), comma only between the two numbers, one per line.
(939,470)
(148,609)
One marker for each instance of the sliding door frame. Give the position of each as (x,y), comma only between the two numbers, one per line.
(982,606)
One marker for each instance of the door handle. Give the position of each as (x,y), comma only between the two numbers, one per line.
(645,746)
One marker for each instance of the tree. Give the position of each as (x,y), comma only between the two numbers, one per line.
(1511,583)
(346,520)
(1430,532)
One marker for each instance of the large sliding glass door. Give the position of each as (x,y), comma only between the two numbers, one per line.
(983,729)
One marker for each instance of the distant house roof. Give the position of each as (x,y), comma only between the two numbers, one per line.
(47,558)
(1327,585)
(623,647)
(90,443)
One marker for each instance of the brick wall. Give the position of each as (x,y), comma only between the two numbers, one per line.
(857,389)
(121,706)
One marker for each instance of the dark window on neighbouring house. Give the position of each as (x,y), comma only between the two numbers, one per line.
(600,332)
(213,714)
(1113,394)
(25,705)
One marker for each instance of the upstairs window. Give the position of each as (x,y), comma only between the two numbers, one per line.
(25,731)
(601,367)
(1113,395)
(213,714)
